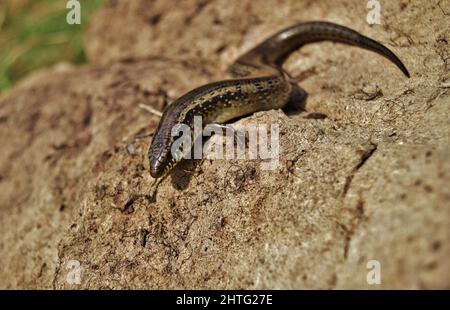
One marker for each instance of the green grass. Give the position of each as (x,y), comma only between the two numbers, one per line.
(35,34)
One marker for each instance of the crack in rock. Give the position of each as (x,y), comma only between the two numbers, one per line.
(364,157)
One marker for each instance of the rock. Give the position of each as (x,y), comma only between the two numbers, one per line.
(368,180)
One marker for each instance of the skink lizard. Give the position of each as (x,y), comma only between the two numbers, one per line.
(260,84)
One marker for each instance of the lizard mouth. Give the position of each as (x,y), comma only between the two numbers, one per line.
(156,169)
(156,173)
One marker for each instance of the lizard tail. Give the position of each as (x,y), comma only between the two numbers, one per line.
(276,49)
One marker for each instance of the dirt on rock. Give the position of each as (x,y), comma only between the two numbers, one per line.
(363,172)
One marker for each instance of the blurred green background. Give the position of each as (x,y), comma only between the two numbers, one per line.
(35,34)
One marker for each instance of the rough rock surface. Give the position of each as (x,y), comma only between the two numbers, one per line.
(364,171)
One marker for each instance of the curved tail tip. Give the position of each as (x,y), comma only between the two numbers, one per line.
(402,67)
(406,72)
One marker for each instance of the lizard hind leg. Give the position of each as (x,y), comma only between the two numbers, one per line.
(297,100)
